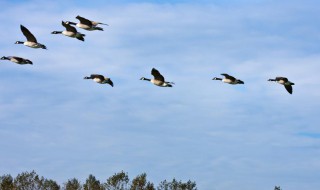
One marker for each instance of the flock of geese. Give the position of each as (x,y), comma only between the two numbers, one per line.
(86,24)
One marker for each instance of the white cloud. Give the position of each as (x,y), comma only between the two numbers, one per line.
(200,129)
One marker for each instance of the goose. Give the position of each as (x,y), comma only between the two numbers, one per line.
(31,40)
(229,79)
(17,60)
(285,82)
(100,79)
(87,24)
(70,32)
(158,79)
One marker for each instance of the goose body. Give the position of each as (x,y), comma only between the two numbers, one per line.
(31,40)
(86,24)
(285,82)
(100,79)
(18,60)
(158,79)
(229,79)
(70,32)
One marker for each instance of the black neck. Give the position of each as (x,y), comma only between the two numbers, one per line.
(216,78)
(146,79)
(56,32)
(5,58)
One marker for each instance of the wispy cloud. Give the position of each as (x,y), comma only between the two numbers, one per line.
(254,135)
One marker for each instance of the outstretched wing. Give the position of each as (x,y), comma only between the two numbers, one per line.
(156,74)
(69,27)
(109,81)
(30,37)
(228,77)
(84,21)
(289,88)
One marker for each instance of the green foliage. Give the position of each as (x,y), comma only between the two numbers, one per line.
(31,181)
(6,182)
(140,183)
(49,184)
(92,184)
(177,185)
(28,181)
(72,184)
(277,188)
(118,181)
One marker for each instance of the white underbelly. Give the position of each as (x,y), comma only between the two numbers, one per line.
(83,26)
(31,44)
(97,80)
(14,60)
(228,81)
(69,34)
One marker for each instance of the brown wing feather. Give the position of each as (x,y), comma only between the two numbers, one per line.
(228,77)
(30,37)
(156,74)
(109,81)
(289,88)
(19,59)
(84,21)
(69,27)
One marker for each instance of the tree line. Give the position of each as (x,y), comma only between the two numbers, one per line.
(118,181)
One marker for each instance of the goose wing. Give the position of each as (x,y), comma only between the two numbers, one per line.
(69,27)
(30,37)
(288,88)
(109,81)
(228,77)
(156,74)
(19,59)
(84,21)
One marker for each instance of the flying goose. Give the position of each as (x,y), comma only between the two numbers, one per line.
(31,40)
(229,79)
(100,79)
(285,82)
(70,32)
(17,60)
(158,79)
(86,24)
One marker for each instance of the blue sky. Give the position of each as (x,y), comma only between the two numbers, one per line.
(253,136)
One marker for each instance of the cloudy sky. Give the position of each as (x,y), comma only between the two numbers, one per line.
(253,136)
